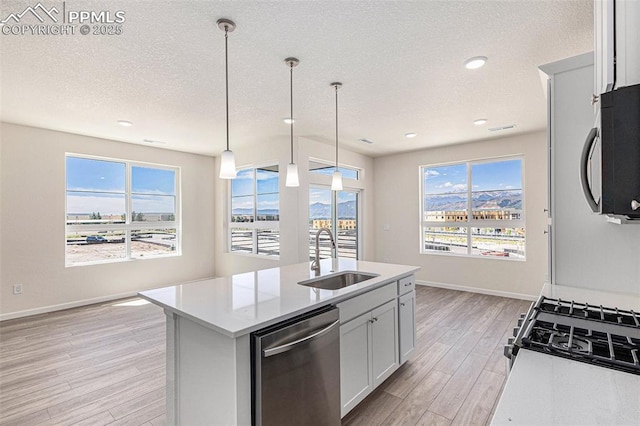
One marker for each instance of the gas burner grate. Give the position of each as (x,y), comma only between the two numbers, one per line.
(584,310)
(595,347)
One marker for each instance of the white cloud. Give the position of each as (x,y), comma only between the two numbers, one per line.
(460,187)
(432,173)
(508,187)
(447,185)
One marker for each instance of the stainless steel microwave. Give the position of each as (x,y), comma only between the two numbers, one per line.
(610,161)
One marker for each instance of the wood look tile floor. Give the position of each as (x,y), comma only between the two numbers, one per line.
(104,364)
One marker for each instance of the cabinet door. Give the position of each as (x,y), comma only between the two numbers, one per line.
(384,339)
(407,310)
(355,362)
(604,49)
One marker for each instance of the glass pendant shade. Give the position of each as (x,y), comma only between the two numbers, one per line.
(292,175)
(227,165)
(336,181)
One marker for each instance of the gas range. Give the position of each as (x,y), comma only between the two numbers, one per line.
(608,337)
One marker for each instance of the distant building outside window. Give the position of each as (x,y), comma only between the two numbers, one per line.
(474,208)
(254,226)
(117,210)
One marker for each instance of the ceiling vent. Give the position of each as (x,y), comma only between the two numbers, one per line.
(497,129)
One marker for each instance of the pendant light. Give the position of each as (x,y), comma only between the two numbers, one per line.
(228,161)
(336,180)
(292,169)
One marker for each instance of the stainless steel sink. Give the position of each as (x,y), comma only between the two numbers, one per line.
(338,281)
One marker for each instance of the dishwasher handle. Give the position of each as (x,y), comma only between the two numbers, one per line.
(287,347)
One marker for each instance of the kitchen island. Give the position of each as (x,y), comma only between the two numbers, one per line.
(209,322)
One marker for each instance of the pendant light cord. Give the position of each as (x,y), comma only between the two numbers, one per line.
(336,127)
(291,115)
(226,77)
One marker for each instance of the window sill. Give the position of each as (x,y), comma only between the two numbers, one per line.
(474,256)
(133,259)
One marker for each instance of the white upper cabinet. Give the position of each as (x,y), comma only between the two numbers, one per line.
(604,49)
(627,26)
(616,44)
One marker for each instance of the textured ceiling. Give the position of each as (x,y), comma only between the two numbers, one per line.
(400,62)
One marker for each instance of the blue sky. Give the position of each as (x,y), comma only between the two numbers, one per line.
(267,187)
(99,186)
(485,177)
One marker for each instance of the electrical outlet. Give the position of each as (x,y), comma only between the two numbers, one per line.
(17,289)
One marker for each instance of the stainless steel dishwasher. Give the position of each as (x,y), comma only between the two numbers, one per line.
(296,371)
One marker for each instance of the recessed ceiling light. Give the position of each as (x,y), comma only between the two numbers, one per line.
(475,62)
(410,135)
(288,120)
(365,140)
(125,123)
(480,121)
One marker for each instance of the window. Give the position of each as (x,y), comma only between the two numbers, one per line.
(474,208)
(119,210)
(333,210)
(255,212)
(321,168)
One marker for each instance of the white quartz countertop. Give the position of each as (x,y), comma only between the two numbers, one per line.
(544,389)
(243,303)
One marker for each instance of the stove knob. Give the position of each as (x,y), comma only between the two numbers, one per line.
(508,348)
(515,331)
(520,321)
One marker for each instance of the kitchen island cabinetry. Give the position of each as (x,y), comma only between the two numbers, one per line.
(407,316)
(209,324)
(368,353)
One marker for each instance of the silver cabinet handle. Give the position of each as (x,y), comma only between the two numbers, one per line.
(594,99)
(408,284)
(402,304)
(287,347)
(635,205)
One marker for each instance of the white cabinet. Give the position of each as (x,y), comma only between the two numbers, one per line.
(627,29)
(368,353)
(604,47)
(616,41)
(406,316)
(384,341)
(370,338)
(356,377)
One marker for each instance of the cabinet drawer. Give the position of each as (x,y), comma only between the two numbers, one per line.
(352,308)
(406,284)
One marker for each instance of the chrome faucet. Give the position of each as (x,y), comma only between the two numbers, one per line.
(315,265)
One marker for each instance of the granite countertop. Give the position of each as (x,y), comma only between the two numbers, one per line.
(544,389)
(243,303)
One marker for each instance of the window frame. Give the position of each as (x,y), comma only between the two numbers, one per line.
(330,168)
(472,223)
(129,225)
(256,225)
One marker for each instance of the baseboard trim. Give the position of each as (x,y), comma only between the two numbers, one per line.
(63,306)
(478,290)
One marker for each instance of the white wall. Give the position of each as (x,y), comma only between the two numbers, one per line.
(32,244)
(294,203)
(397,204)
